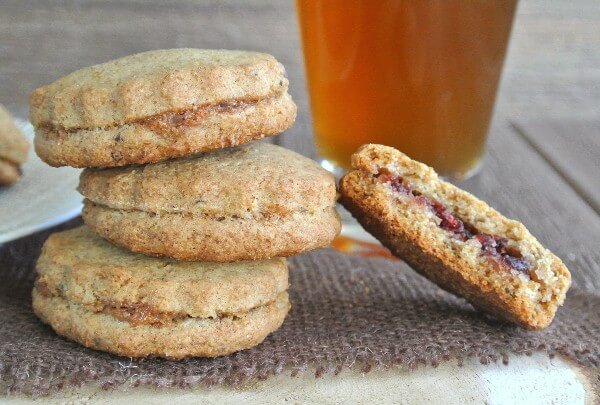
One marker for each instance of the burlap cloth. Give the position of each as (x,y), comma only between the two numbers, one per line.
(347,311)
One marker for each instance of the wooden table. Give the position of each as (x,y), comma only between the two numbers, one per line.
(543,162)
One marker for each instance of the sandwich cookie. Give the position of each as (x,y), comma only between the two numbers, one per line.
(13,149)
(158,105)
(252,202)
(453,238)
(109,299)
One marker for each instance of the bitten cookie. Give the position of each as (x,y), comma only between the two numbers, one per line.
(13,149)
(453,238)
(158,105)
(109,299)
(252,202)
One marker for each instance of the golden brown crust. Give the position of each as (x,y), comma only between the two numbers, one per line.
(255,179)
(190,337)
(84,269)
(205,207)
(410,231)
(226,239)
(161,137)
(150,83)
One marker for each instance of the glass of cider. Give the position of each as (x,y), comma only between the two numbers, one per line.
(418,75)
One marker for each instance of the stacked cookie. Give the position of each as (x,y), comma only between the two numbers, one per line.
(187,224)
(13,149)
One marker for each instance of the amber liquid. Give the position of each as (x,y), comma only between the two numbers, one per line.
(418,75)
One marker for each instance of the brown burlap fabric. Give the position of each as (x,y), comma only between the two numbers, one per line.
(347,311)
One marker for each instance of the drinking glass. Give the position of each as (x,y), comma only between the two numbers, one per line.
(418,75)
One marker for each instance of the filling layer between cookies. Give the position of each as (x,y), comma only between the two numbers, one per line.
(142,314)
(168,121)
(493,246)
(133,313)
(172,120)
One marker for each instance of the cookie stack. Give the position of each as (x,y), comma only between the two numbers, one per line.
(187,224)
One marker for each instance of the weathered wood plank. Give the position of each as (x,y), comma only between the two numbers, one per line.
(552,68)
(553,63)
(520,183)
(572,148)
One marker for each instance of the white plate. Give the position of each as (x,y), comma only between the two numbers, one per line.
(43,197)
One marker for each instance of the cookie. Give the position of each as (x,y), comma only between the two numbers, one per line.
(10,172)
(252,202)
(13,149)
(158,105)
(454,239)
(110,299)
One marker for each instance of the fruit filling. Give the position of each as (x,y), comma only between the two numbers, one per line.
(493,246)
(166,122)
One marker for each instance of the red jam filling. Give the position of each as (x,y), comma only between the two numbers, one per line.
(493,246)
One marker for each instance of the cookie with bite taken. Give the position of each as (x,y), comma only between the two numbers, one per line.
(453,238)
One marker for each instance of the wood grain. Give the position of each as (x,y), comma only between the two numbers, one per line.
(553,64)
(552,67)
(572,148)
(519,183)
